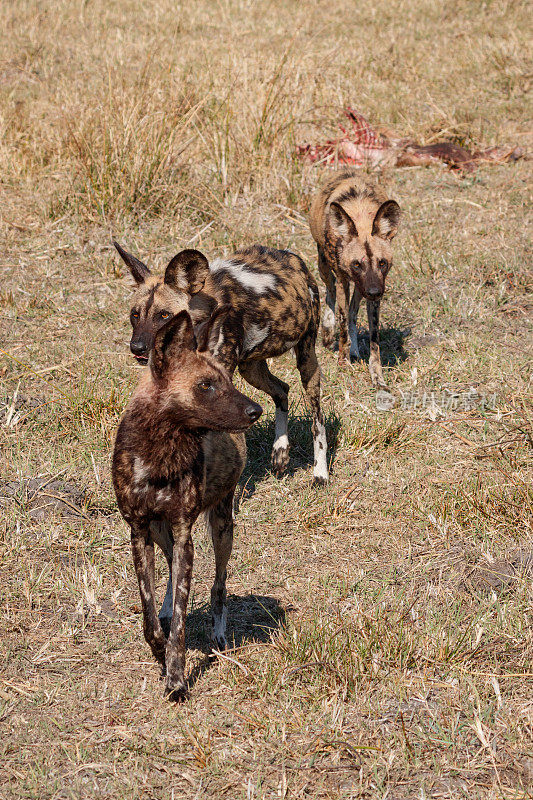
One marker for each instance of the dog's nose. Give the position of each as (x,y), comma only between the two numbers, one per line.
(374,292)
(253,411)
(138,348)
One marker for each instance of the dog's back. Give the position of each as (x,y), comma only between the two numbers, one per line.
(273,299)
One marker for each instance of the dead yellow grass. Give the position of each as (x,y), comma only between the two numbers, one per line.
(382,627)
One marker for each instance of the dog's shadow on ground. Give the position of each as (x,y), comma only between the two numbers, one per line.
(260,440)
(391,345)
(251,618)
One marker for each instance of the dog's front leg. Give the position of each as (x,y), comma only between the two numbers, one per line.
(182,561)
(328,319)
(343,302)
(374,363)
(142,548)
(354,308)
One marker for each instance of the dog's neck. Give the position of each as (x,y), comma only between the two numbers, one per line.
(201,306)
(161,439)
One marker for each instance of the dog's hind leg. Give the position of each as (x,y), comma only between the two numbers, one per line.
(258,374)
(161,532)
(142,546)
(220,524)
(309,370)
(328,319)
(182,563)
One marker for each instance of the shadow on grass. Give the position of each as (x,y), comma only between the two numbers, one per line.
(251,618)
(260,439)
(391,345)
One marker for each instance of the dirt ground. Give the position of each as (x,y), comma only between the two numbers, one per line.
(381,626)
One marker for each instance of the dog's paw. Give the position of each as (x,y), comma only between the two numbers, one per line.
(280,460)
(176,692)
(378,381)
(219,643)
(218,630)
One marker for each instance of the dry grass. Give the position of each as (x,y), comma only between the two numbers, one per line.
(382,627)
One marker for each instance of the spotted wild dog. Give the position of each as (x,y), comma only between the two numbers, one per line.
(175,457)
(274,306)
(353,223)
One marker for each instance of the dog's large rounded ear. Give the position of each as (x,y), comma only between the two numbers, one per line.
(171,340)
(187,272)
(139,270)
(341,222)
(207,334)
(387,219)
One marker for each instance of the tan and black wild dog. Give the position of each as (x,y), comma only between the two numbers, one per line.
(353,224)
(174,457)
(274,306)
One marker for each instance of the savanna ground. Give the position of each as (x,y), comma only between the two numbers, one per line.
(382,627)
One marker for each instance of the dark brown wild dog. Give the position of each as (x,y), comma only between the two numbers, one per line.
(353,224)
(174,457)
(274,306)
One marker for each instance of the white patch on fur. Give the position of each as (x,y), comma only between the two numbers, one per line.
(219,624)
(312,295)
(254,336)
(282,443)
(328,320)
(220,342)
(281,439)
(218,264)
(140,473)
(256,281)
(163,495)
(320,448)
(144,591)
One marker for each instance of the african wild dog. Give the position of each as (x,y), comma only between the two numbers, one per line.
(353,224)
(274,306)
(174,458)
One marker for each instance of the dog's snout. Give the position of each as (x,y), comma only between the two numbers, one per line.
(374,292)
(138,348)
(253,411)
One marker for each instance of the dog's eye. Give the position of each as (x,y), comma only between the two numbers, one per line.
(357,265)
(205,386)
(383,264)
(164,314)
(135,315)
